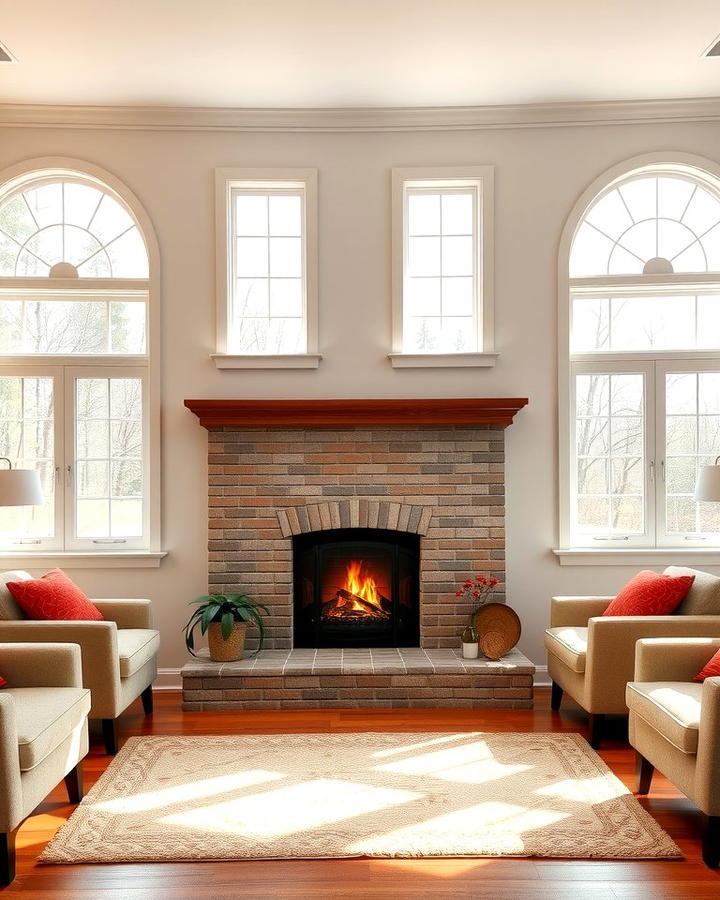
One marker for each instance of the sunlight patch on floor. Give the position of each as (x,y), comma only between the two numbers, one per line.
(192,790)
(420,745)
(278,813)
(432,835)
(582,790)
(471,763)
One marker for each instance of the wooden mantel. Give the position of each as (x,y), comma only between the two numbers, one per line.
(359,413)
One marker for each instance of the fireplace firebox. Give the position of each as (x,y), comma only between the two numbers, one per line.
(356,587)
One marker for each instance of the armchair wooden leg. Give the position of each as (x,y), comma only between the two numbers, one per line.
(643,773)
(110,736)
(597,721)
(7,857)
(147,700)
(711,843)
(74,783)
(556,696)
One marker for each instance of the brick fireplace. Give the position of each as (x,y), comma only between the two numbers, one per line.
(286,474)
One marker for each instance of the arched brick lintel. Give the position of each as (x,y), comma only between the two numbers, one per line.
(355,513)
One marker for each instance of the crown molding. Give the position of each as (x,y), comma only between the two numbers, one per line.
(446,118)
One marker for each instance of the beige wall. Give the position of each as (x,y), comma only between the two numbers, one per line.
(539,175)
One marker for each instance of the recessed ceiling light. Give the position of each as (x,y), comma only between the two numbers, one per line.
(5,55)
(714,48)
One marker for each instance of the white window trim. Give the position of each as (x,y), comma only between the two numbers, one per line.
(53,166)
(225,180)
(565,552)
(481,177)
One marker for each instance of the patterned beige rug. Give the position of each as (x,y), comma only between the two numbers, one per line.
(371,794)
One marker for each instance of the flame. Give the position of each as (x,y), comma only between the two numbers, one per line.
(366,588)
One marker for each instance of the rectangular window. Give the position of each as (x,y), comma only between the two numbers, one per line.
(442,260)
(267,266)
(73,324)
(639,436)
(86,431)
(109,452)
(27,440)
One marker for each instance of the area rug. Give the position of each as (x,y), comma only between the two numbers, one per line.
(347,795)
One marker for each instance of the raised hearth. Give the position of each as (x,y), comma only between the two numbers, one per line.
(354,678)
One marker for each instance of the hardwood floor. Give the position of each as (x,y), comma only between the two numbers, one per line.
(500,879)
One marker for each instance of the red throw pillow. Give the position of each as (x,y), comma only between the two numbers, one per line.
(650,594)
(710,669)
(3,682)
(54,596)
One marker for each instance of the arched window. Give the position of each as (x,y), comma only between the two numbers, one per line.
(640,365)
(75,292)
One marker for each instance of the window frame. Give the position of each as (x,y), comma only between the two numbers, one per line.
(66,548)
(416,179)
(227,181)
(661,548)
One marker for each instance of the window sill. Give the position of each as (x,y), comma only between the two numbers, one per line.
(266,361)
(139,559)
(643,556)
(442,360)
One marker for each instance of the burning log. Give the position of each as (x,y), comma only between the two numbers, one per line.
(347,604)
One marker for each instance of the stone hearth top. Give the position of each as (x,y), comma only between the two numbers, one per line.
(403,661)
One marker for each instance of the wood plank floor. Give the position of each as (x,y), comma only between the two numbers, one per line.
(500,879)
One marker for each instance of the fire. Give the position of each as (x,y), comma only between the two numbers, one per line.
(365,588)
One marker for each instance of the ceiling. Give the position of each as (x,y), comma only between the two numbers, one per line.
(356,53)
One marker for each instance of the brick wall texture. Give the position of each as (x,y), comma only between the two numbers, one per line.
(446,484)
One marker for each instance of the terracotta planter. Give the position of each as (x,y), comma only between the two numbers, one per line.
(230,650)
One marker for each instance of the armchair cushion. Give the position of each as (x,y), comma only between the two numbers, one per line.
(650,594)
(9,607)
(45,717)
(670,707)
(53,597)
(135,647)
(569,644)
(703,598)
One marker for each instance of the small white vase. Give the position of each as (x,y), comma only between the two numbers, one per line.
(470,651)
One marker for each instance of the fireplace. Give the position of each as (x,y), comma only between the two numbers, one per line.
(356,587)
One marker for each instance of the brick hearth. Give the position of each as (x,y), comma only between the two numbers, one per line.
(378,679)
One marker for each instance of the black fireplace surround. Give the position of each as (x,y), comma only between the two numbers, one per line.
(356,587)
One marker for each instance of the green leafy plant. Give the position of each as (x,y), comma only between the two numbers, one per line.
(226,609)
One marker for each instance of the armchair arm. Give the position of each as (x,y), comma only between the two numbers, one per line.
(100,658)
(41,665)
(707,784)
(11,805)
(672,659)
(126,613)
(576,610)
(611,651)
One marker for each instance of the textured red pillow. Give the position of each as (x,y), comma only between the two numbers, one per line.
(54,596)
(650,594)
(2,682)
(710,669)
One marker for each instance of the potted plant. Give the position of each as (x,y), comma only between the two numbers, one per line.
(475,590)
(225,617)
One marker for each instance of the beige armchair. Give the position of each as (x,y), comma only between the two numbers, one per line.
(592,657)
(119,654)
(43,733)
(675,725)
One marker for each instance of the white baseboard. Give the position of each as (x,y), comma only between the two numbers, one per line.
(168,680)
(542,679)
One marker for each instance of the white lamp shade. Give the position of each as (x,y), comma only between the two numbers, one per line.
(708,483)
(20,487)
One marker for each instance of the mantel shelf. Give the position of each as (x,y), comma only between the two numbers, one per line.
(498,411)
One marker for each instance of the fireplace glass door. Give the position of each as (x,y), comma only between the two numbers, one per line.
(356,587)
